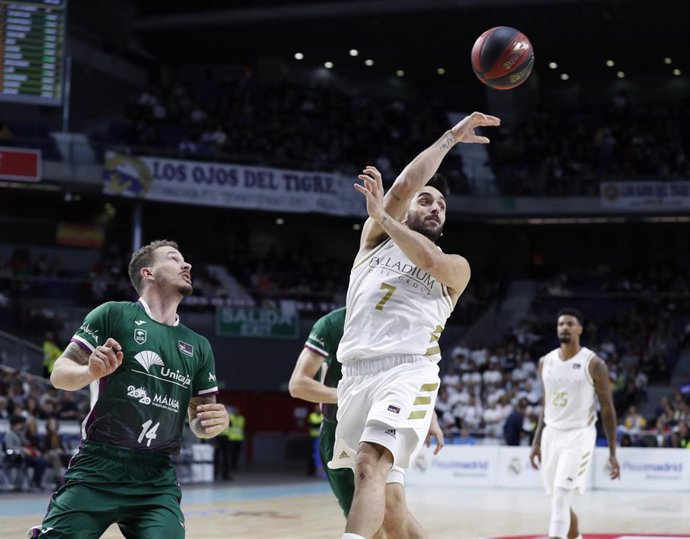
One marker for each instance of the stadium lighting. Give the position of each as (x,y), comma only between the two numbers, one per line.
(565,76)
(400,73)
(610,63)
(620,75)
(676,72)
(553,65)
(667,60)
(299,56)
(328,65)
(368,62)
(441,71)
(354,52)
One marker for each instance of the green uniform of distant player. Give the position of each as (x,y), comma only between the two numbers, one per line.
(323,340)
(154,371)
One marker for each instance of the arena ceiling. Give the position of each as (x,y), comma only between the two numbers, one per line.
(420,36)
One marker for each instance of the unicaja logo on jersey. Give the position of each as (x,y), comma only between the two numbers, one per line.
(182,379)
(147,359)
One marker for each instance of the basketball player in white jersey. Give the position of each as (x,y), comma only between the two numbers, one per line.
(402,289)
(565,437)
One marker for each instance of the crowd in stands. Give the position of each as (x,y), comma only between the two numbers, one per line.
(640,340)
(315,282)
(314,127)
(566,152)
(550,151)
(27,402)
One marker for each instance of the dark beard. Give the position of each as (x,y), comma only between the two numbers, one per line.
(565,338)
(418,226)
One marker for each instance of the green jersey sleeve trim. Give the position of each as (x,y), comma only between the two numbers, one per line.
(316,349)
(83,342)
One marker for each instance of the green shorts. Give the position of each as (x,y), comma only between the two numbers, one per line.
(342,480)
(138,490)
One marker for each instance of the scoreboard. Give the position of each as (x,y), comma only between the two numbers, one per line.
(32,44)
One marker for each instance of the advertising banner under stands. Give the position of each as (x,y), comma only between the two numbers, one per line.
(645,195)
(462,466)
(257,322)
(20,164)
(515,468)
(644,468)
(230,186)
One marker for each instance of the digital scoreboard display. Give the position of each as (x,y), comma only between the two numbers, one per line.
(32,44)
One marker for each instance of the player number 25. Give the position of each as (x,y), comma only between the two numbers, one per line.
(389,288)
(560,399)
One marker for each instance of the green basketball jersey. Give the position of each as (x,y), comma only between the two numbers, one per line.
(324,339)
(143,404)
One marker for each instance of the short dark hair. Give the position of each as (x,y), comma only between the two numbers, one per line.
(439,181)
(17,419)
(143,257)
(569,311)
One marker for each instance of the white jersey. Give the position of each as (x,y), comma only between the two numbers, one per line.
(569,396)
(393,308)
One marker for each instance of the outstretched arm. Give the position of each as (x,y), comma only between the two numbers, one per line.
(420,170)
(302,384)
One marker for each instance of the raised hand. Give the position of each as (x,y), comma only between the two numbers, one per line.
(372,189)
(464,130)
(105,359)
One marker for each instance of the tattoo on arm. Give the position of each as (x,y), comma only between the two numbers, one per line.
(76,354)
(447,141)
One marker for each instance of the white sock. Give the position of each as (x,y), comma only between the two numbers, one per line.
(352,536)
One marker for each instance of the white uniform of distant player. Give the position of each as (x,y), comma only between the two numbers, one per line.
(569,436)
(389,350)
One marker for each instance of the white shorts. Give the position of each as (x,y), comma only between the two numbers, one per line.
(388,401)
(566,457)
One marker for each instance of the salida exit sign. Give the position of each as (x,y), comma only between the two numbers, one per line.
(21,164)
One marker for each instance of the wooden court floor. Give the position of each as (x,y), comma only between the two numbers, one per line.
(307,510)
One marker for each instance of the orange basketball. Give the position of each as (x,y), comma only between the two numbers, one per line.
(502,58)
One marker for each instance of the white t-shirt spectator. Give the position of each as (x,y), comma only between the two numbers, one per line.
(492,377)
(480,356)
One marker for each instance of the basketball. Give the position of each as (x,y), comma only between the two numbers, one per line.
(502,58)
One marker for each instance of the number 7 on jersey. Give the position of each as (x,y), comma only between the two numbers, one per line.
(389,288)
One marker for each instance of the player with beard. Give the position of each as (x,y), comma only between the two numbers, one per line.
(565,437)
(145,370)
(402,290)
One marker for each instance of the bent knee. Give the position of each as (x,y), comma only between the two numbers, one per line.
(373,458)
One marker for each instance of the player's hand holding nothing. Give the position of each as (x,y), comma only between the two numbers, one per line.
(212,418)
(464,130)
(372,189)
(105,359)
(535,456)
(615,467)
